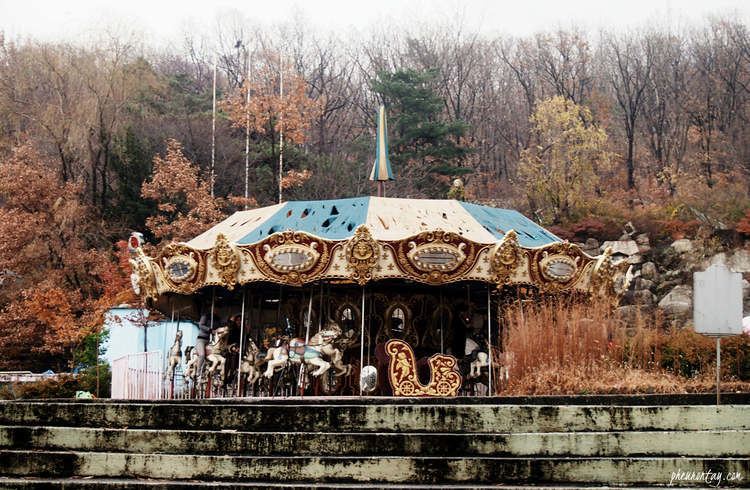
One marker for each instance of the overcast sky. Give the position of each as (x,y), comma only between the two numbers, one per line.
(159,21)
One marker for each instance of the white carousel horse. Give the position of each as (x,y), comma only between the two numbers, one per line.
(175,355)
(216,352)
(276,357)
(248,365)
(480,359)
(191,362)
(322,343)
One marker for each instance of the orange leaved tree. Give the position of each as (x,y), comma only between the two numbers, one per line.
(184,202)
(56,283)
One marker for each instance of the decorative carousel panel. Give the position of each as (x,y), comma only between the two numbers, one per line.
(445,380)
(558,266)
(143,278)
(225,260)
(292,257)
(183,269)
(507,258)
(362,254)
(436,257)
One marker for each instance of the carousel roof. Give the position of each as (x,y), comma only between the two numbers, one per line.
(387,218)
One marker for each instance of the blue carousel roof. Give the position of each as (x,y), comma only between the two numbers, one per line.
(386,218)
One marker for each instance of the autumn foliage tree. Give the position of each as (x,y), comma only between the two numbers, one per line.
(560,168)
(56,283)
(268,112)
(185,205)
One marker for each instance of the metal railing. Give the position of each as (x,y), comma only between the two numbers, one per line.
(138,376)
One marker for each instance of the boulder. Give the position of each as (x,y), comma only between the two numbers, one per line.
(740,261)
(682,246)
(641,283)
(678,302)
(628,313)
(643,297)
(635,259)
(648,270)
(644,243)
(621,247)
(592,243)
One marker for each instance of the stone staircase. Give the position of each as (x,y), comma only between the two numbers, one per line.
(375,443)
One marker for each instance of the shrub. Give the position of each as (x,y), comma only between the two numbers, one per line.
(62,385)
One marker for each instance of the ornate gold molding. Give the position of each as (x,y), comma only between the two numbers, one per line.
(183,269)
(225,258)
(506,258)
(407,253)
(603,275)
(315,254)
(362,253)
(557,267)
(144,276)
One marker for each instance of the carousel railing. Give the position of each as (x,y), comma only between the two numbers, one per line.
(138,376)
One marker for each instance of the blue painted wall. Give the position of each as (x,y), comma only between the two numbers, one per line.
(127,337)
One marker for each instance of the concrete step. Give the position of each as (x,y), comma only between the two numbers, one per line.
(458,418)
(122,483)
(392,470)
(728,443)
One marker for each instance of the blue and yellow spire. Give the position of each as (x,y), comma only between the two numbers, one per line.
(381,169)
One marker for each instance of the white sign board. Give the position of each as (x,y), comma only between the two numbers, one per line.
(717,301)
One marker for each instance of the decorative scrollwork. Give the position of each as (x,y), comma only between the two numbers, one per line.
(183,269)
(436,256)
(362,253)
(445,380)
(226,260)
(602,276)
(557,267)
(292,257)
(143,277)
(506,258)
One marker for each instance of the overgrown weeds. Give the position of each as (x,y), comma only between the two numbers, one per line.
(575,347)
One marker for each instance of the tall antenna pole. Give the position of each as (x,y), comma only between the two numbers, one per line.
(213,132)
(281,122)
(247,131)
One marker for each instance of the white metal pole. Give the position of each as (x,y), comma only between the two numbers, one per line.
(489,341)
(242,336)
(213,132)
(281,123)
(301,382)
(247,131)
(362,343)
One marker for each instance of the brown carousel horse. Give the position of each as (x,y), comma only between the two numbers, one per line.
(216,352)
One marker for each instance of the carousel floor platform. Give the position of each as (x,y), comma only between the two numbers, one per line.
(376,443)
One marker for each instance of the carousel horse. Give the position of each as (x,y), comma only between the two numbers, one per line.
(175,355)
(276,356)
(248,365)
(478,358)
(191,363)
(216,352)
(322,343)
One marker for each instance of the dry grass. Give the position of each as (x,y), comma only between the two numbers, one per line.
(575,348)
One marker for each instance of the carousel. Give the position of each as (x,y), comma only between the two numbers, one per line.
(359,296)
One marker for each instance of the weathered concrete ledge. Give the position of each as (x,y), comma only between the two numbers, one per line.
(485,470)
(729,398)
(564,444)
(378,418)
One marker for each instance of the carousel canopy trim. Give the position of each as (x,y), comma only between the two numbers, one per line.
(387,218)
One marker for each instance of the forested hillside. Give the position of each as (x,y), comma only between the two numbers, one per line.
(581,131)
